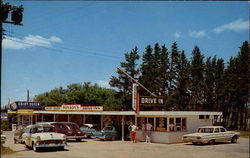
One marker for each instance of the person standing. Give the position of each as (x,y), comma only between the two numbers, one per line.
(133,132)
(148,132)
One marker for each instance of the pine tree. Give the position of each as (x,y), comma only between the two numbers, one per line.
(197,79)
(122,82)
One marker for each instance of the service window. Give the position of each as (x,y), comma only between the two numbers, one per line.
(161,124)
(201,116)
(207,116)
(141,121)
(151,121)
(171,125)
(184,126)
(178,123)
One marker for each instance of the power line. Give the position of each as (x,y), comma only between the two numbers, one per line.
(63,51)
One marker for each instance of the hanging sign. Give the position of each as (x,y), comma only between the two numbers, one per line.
(134,95)
(151,101)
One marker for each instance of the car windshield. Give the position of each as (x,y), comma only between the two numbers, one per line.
(42,129)
(205,130)
(73,125)
(108,128)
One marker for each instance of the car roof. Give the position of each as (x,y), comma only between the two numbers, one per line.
(211,127)
(39,126)
(65,122)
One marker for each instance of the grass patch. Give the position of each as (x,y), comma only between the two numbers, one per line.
(244,134)
(6,150)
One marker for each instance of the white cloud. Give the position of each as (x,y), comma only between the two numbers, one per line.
(177,35)
(29,42)
(236,25)
(104,84)
(197,34)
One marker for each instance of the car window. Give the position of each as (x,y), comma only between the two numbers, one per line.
(216,130)
(222,130)
(205,130)
(73,125)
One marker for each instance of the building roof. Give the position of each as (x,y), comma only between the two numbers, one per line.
(141,113)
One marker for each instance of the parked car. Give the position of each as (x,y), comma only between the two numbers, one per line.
(40,136)
(107,133)
(211,134)
(18,135)
(88,130)
(70,129)
(3,137)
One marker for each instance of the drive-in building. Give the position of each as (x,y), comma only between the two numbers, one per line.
(168,126)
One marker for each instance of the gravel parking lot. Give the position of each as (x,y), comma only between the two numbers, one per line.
(91,148)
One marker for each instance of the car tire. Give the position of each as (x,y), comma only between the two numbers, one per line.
(211,142)
(194,143)
(78,140)
(61,148)
(15,141)
(234,139)
(34,147)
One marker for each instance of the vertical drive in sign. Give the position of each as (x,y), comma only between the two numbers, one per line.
(134,97)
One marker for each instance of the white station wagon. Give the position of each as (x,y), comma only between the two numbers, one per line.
(211,134)
(38,136)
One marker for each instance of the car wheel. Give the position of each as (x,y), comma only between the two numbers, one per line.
(78,140)
(15,141)
(211,142)
(194,143)
(36,149)
(61,148)
(234,139)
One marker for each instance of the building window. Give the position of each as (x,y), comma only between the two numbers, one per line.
(171,124)
(207,116)
(184,126)
(178,123)
(161,124)
(201,116)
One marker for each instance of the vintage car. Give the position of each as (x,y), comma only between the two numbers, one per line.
(3,138)
(210,135)
(70,129)
(88,130)
(39,136)
(18,135)
(107,133)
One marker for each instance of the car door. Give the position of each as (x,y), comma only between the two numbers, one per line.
(26,136)
(226,135)
(217,134)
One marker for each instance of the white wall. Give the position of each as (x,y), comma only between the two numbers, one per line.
(193,123)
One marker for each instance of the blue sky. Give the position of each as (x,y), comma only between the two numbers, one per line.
(67,42)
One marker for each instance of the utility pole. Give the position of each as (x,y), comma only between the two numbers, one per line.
(16,19)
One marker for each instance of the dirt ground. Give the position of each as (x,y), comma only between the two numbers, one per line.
(91,148)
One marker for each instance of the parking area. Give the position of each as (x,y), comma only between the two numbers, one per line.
(91,148)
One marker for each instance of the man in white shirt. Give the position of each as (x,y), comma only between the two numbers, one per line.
(148,132)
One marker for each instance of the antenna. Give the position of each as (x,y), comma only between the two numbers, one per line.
(137,82)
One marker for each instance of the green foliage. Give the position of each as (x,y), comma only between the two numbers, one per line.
(195,84)
(85,94)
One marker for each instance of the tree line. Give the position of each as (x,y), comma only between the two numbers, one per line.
(199,83)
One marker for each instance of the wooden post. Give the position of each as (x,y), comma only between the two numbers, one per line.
(54,118)
(42,118)
(102,122)
(122,127)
